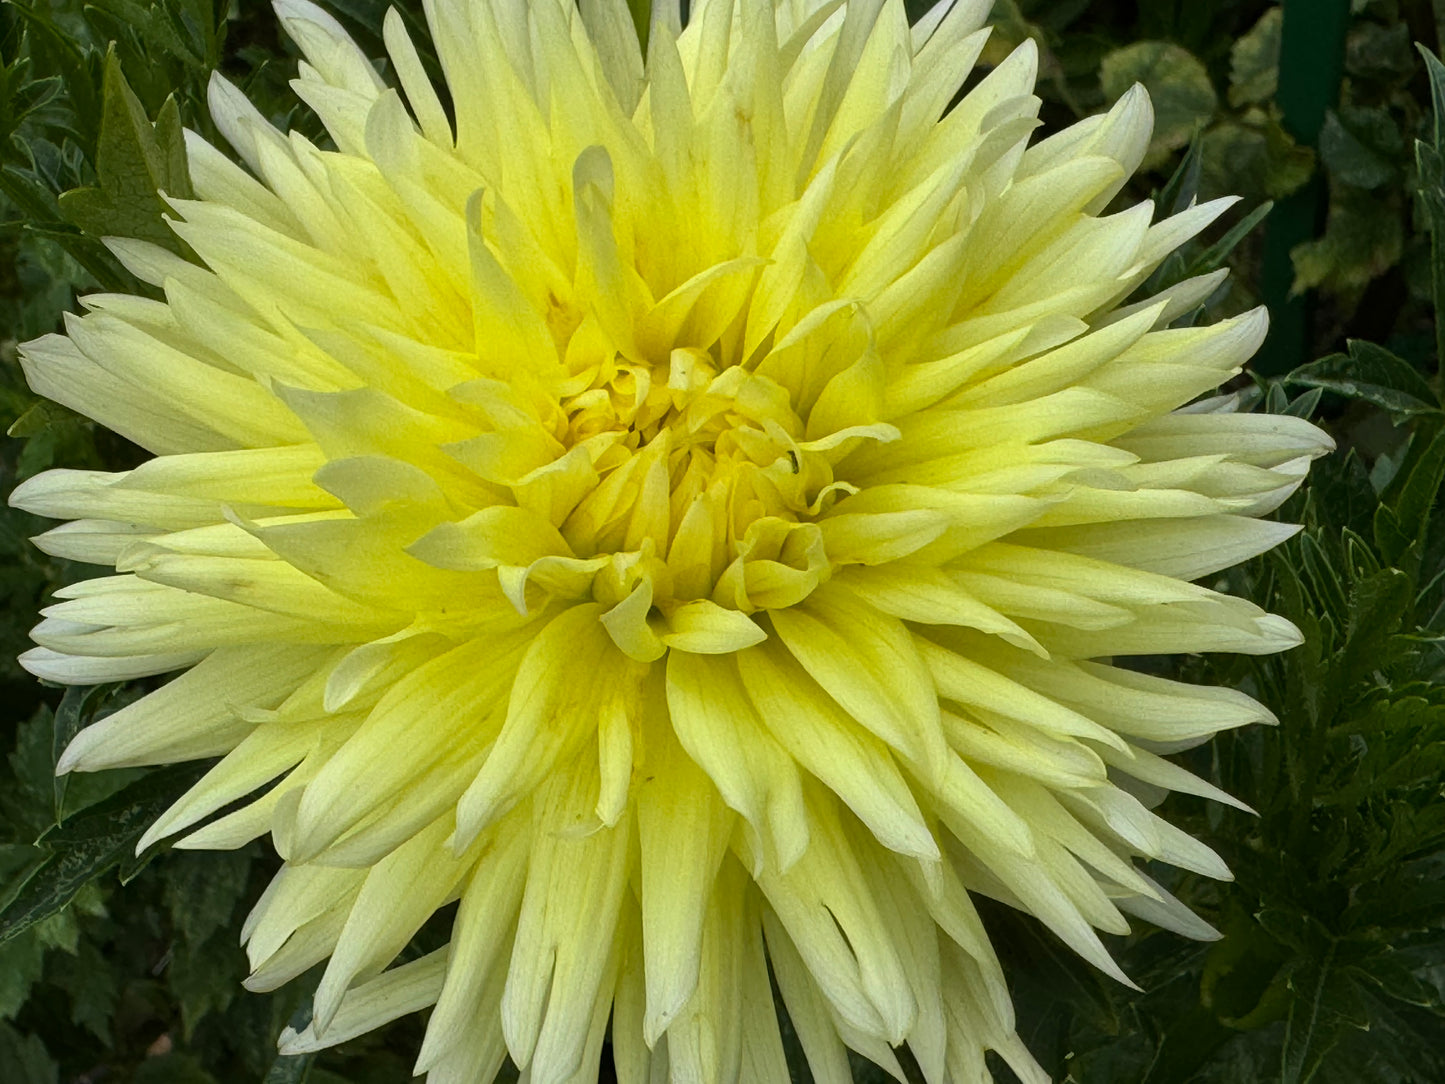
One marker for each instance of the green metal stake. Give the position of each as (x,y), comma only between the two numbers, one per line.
(1311,67)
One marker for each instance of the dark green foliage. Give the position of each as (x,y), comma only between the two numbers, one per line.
(1332,967)
(135,162)
(1372,374)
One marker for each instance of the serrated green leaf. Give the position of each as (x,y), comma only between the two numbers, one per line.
(1391,536)
(92,984)
(22,961)
(204,980)
(155,25)
(25,1058)
(1377,608)
(135,161)
(1340,494)
(202,891)
(26,799)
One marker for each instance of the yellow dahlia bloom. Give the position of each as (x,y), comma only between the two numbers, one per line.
(681,507)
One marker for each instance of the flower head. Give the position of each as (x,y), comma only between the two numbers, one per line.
(681,507)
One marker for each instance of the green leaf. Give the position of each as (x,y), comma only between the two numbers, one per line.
(157,27)
(90,844)
(202,891)
(77,707)
(172,1069)
(1376,611)
(1397,981)
(1254,61)
(1242,982)
(1379,52)
(289,1069)
(1363,239)
(1372,374)
(1255,157)
(1276,400)
(1305,405)
(21,963)
(1361,147)
(1430,165)
(1212,258)
(25,1059)
(93,986)
(1178,84)
(1410,499)
(1306,1039)
(204,979)
(41,416)
(27,801)
(1436,73)
(292,1068)
(1326,580)
(128,811)
(1182,189)
(22,959)
(1288,165)
(57,882)
(135,162)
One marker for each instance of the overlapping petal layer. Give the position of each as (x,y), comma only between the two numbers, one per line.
(680,507)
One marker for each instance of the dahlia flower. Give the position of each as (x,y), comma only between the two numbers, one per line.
(680,507)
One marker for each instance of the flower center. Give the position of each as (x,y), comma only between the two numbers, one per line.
(653,447)
(700,473)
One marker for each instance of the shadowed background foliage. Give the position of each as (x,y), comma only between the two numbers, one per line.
(1333,967)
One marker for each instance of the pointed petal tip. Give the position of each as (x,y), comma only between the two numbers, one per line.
(289,1042)
(1280,631)
(31,494)
(257,984)
(70,760)
(154,834)
(657,1021)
